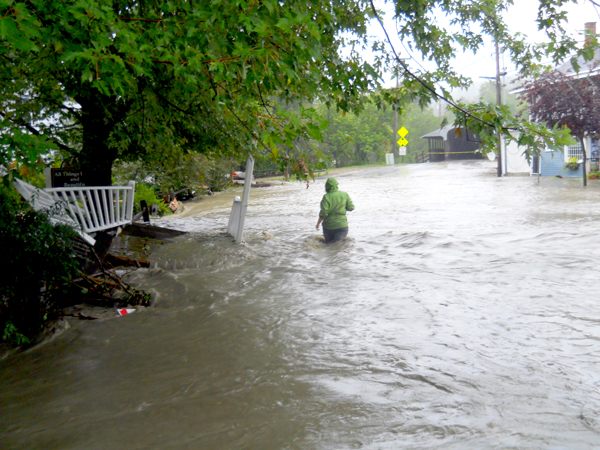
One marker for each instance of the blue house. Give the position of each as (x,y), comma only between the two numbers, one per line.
(552,162)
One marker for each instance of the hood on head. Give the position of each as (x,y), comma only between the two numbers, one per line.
(331,185)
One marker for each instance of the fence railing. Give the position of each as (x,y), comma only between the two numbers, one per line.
(422,157)
(85,209)
(97,208)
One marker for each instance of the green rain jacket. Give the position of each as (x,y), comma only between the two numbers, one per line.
(334,206)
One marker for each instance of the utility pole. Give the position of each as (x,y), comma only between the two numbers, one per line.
(499,102)
(395,118)
(394,146)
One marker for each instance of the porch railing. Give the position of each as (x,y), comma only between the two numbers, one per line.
(85,209)
(97,208)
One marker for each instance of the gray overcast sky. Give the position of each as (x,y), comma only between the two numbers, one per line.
(520,18)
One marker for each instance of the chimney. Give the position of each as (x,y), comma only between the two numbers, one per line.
(590,28)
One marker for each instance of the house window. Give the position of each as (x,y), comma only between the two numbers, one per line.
(574,151)
(535,165)
(595,146)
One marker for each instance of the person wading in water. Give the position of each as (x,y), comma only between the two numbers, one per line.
(333,212)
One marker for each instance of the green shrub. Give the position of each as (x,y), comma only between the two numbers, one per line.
(38,266)
(143,192)
(193,171)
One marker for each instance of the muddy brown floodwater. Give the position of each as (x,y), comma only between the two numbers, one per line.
(463,312)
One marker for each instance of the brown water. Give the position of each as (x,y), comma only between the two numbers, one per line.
(461,313)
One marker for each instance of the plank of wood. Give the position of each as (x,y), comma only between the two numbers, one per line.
(150,231)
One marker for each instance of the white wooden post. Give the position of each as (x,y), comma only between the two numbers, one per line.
(130,200)
(234,217)
(238,211)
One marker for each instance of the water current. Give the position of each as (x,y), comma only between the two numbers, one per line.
(462,312)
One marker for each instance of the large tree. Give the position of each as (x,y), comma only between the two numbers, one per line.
(100,79)
(107,79)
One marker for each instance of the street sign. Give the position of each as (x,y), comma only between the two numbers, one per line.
(402,151)
(402,142)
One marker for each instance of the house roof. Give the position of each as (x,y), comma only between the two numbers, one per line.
(586,68)
(439,133)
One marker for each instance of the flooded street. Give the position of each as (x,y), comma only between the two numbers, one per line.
(462,312)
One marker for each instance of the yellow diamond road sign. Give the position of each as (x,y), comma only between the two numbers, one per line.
(402,132)
(402,142)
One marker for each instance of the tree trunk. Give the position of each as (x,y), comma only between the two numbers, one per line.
(584,161)
(99,116)
(96,160)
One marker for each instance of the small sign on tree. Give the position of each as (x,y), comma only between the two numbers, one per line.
(72,177)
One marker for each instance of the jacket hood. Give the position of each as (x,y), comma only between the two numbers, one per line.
(331,185)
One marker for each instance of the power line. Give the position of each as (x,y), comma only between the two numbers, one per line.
(419,80)
(596,5)
(403,45)
(474,62)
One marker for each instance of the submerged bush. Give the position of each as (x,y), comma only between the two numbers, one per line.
(38,265)
(143,192)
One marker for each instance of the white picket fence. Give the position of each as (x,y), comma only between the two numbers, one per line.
(97,208)
(86,209)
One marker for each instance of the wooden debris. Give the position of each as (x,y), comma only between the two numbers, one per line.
(115,261)
(150,231)
(260,184)
(81,316)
